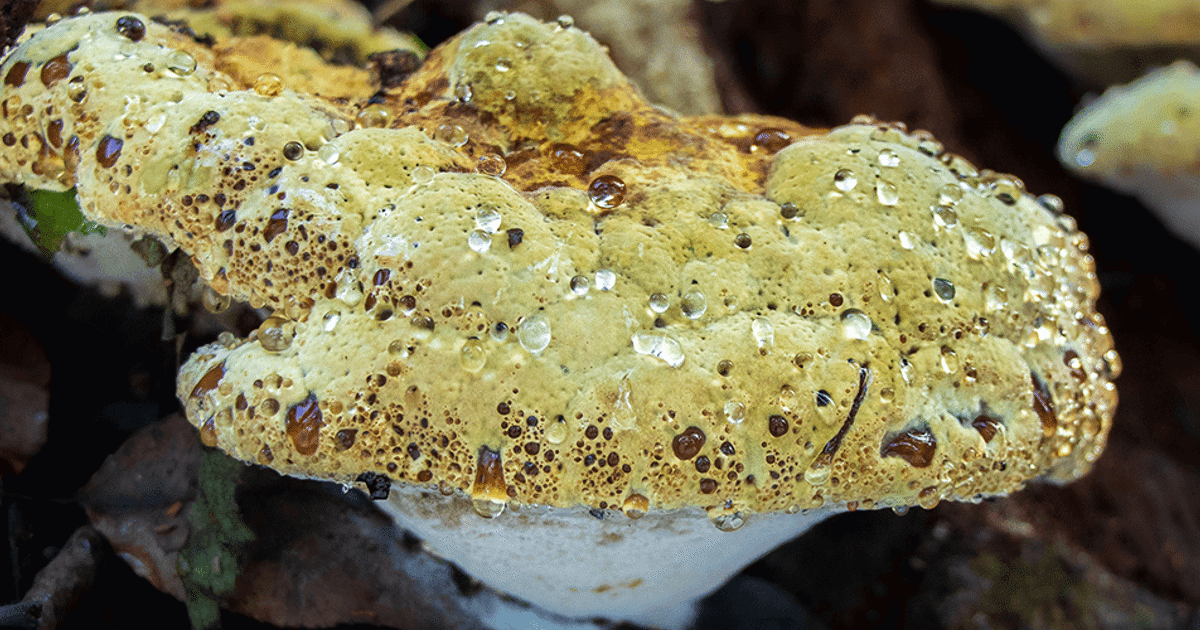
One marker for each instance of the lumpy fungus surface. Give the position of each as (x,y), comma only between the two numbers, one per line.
(502,272)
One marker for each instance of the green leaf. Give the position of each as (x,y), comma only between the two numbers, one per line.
(51,215)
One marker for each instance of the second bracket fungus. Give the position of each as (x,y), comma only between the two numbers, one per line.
(598,355)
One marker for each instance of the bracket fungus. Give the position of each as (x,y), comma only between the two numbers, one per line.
(1141,139)
(599,355)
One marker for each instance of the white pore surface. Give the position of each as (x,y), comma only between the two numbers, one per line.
(650,571)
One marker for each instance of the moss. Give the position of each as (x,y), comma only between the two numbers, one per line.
(208,563)
(1033,591)
(51,215)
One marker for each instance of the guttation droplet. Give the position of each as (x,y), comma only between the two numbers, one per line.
(887,193)
(763,331)
(659,303)
(856,324)
(730,522)
(580,285)
(473,355)
(605,280)
(693,305)
(888,157)
(735,412)
(479,241)
(944,288)
(844,180)
(658,345)
(534,333)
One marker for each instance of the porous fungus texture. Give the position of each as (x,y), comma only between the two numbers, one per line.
(510,276)
(1141,138)
(1096,24)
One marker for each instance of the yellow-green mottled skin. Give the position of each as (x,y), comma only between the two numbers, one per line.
(982,363)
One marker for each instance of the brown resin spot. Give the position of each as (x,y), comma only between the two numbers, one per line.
(987,426)
(54,133)
(108,151)
(687,444)
(489,477)
(16,74)
(1075,365)
(424,476)
(607,191)
(209,381)
(276,224)
(56,70)
(915,446)
(777,425)
(345,438)
(303,425)
(208,432)
(1043,404)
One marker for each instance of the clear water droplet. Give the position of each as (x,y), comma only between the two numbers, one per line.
(473,355)
(886,290)
(763,331)
(1052,203)
(605,280)
(906,240)
(580,285)
(950,195)
(693,305)
(980,243)
(719,220)
(565,21)
(888,158)
(331,320)
(658,345)
(887,395)
(844,180)
(422,175)
(906,371)
(328,154)
(499,332)
(181,63)
(556,433)
(349,289)
(659,303)
(944,217)
(887,193)
(452,135)
(487,508)
(996,297)
(275,335)
(373,117)
(636,506)
(735,412)
(479,241)
(730,522)
(534,333)
(488,220)
(855,324)
(817,474)
(503,64)
(268,85)
(787,398)
(494,17)
(949,360)
(943,288)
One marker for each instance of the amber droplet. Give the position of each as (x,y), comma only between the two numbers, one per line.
(265,456)
(607,191)
(835,299)
(771,139)
(293,151)
(569,159)
(16,74)
(276,224)
(54,133)
(708,486)
(987,426)
(424,476)
(381,276)
(303,425)
(778,426)
(345,438)
(225,220)
(489,477)
(687,444)
(108,151)
(1075,365)
(55,70)
(208,432)
(915,446)
(491,164)
(209,381)
(131,27)
(1043,404)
